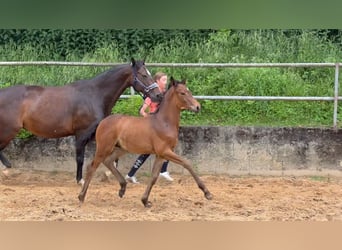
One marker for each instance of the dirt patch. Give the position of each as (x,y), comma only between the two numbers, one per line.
(40,196)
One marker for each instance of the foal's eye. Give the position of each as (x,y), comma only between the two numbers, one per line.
(182,93)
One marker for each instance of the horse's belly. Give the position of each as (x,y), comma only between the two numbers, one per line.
(49,129)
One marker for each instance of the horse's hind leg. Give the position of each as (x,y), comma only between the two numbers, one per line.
(4,160)
(6,135)
(109,164)
(157,165)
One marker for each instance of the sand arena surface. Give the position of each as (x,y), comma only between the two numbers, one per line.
(44,195)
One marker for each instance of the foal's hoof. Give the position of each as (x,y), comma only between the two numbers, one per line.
(147,203)
(208,195)
(81,198)
(121,193)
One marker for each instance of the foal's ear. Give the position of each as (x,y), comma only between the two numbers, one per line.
(183,81)
(173,82)
(132,61)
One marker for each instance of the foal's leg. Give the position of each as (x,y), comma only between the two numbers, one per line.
(157,165)
(170,155)
(109,164)
(91,168)
(103,150)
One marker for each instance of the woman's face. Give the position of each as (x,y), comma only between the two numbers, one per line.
(162,83)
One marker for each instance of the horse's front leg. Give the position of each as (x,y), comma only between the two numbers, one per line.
(157,165)
(82,138)
(171,156)
(80,149)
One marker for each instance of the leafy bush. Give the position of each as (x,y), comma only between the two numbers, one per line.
(187,46)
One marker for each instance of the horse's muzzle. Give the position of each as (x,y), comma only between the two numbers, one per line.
(156,98)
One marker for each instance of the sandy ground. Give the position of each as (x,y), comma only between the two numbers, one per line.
(52,196)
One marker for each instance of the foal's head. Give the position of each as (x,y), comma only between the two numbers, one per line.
(143,81)
(185,100)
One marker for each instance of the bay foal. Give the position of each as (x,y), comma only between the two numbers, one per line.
(156,134)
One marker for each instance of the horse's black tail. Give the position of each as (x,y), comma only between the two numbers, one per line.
(4,160)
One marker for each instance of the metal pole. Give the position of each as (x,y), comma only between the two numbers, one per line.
(336,95)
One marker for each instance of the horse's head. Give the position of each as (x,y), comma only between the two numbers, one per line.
(143,81)
(185,100)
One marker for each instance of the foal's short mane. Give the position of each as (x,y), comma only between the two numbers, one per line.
(171,85)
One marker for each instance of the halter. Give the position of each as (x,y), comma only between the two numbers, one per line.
(146,89)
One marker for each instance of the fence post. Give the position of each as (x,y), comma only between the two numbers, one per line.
(336,95)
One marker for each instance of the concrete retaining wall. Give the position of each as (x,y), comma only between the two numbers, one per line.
(214,150)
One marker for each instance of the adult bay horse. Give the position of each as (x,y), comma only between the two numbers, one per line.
(72,109)
(156,134)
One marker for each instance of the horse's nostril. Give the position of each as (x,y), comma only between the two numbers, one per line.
(160,97)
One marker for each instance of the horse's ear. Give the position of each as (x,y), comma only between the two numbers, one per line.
(183,81)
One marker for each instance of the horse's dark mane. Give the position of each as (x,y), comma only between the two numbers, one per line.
(110,71)
(102,76)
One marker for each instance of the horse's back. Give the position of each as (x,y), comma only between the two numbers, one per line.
(117,121)
(11,99)
(118,125)
(131,133)
(11,93)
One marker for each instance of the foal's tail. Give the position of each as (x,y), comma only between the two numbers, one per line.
(4,160)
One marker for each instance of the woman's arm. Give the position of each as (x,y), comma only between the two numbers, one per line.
(143,108)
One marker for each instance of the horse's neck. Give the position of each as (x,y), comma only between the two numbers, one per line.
(169,113)
(114,85)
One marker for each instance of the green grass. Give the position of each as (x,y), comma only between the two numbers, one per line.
(319,178)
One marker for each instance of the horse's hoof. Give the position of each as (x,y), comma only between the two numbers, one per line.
(209,196)
(81,182)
